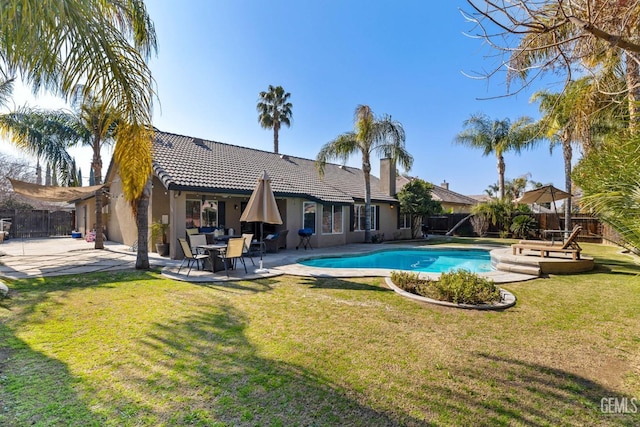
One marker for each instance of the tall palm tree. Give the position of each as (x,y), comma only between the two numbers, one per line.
(92,124)
(371,135)
(275,110)
(103,44)
(496,137)
(44,134)
(580,114)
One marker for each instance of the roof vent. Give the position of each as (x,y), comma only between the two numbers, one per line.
(342,167)
(284,156)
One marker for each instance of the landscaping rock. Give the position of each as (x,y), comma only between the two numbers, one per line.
(4,289)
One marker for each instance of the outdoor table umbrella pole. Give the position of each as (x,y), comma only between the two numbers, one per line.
(262,207)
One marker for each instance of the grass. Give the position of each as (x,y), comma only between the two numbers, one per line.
(134,348)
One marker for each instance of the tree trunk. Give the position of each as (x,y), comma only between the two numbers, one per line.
(567,152)
(501,169)
(276,129)
(142,221)
(366,169)
(99,242)
(96,166)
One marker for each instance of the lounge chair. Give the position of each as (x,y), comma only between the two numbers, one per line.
(234,251)
(277,241)
(190,256)
(552,241)
(570,246)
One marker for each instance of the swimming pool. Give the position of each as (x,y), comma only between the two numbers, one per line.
(426,260)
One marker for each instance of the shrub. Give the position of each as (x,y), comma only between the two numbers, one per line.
(405,280)
(522,225)
(458,287)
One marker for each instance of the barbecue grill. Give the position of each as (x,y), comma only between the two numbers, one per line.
(305,238)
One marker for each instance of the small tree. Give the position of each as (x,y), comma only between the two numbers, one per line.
(415,200)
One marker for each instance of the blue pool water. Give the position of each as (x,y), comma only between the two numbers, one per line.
(419,260)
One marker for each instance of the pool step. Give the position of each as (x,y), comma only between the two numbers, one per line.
(518,268)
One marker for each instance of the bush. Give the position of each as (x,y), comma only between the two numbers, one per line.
(458,287)
(522,225)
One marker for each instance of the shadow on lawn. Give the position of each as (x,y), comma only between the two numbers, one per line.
(37,290)
(333,283)
(201,368)
(210,373)
(36,389)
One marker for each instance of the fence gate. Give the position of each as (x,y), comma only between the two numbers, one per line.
(38,223)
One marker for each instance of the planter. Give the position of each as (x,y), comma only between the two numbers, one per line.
(162,249)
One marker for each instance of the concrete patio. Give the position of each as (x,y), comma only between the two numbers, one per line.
(28,258)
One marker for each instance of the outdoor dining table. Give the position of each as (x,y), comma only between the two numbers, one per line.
(211,237)
(215,262)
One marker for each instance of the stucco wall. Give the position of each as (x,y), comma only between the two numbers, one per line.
(121,224)
(85,215)
(159,205)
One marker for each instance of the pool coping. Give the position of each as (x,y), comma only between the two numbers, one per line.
(294,268)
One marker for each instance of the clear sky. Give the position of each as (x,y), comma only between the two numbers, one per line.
(407,59)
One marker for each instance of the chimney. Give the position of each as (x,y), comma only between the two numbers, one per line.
(445,185)
(388,177)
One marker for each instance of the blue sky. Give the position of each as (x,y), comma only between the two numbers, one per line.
(407,59)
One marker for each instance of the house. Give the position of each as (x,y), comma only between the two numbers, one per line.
(451,201)
(206,184)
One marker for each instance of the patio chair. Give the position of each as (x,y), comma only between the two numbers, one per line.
(197,240)
(190,256)
(570,246)
(190,232)
(235,248)
(277,241)
(248,238)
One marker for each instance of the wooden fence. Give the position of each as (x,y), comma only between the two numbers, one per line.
(592,228)
(38,223)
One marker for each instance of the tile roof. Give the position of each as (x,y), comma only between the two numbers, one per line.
(439,193)
(193,164)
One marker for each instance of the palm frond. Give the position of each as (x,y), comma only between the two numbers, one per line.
(340,148)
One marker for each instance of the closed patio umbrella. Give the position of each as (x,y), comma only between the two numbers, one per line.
(262,207)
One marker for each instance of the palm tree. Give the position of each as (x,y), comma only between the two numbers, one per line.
(93,124)
(44,134)
(371,135)
(497,137)
(6,88)
(275,109)
(577,115)
(110,41)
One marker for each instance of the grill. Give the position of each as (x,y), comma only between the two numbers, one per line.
(305,238)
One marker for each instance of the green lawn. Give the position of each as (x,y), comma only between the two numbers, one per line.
(134,348)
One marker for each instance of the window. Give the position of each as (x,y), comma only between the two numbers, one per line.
(193,213)
(210,213)
(331,219)
(359,218)
(309,216)
(404,221)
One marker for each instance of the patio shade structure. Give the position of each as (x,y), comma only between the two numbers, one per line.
(544,194)
(50,193)
(262,207)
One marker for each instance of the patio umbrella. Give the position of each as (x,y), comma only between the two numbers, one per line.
(262,207)
(544,194)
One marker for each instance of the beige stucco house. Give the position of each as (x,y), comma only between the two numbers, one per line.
(206,184)
(451,201)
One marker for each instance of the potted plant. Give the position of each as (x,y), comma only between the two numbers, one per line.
(159,234)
